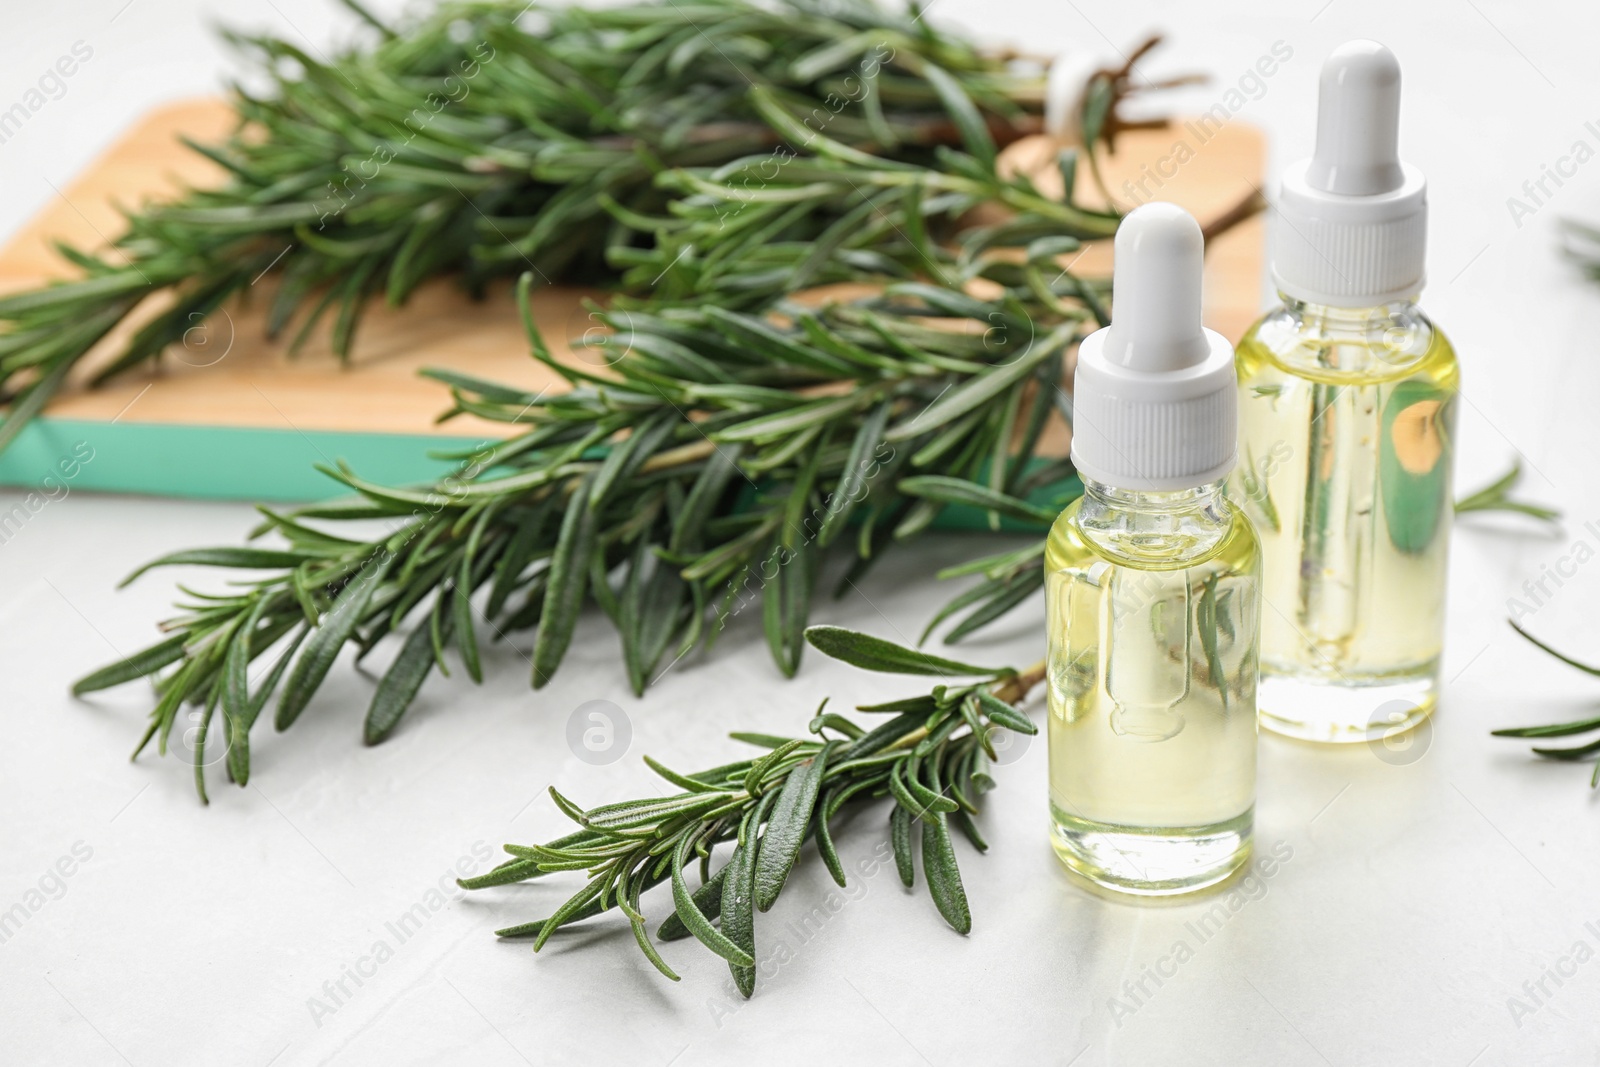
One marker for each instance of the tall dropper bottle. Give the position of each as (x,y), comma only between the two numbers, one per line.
(1347,409)
(1151,581)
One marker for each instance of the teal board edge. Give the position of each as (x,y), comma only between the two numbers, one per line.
(270,466)
(213,462)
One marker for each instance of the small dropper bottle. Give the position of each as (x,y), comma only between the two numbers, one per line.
(1347,426)
(1152,583)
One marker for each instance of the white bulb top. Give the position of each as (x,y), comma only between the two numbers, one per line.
(1154,405)
(1358,122)
(1155,281)
(1352,226)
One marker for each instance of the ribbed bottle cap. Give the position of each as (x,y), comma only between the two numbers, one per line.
(1352,220)
(1154,397)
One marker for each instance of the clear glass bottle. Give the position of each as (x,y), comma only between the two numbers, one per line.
(1153,602)
(1347,423)
(1347,430)
(1152,579)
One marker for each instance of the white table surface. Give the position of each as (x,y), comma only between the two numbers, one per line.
(1418,895)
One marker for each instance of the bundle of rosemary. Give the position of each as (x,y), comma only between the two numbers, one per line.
(710,468)
(735,434)
(487,138)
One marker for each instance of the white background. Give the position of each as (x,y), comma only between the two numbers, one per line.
(1418,897)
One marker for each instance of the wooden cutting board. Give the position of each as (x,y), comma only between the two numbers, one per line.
(230,415)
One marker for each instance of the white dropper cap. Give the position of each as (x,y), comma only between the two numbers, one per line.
(1353,220)
(1154,405)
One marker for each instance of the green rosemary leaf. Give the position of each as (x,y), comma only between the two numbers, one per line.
(238,713)
(957,491)
(707,900)
(1568,660)
(876,654)
(1012,592)
(239,750)
(917,799)
(786,604)
(201,733)
(786,829)
(520,552)
(587,910)
(764,766)
(461,611)
(625,459)
(855,481)
(1578,753)
(493,392)
(1560,729)
(328,638)
(565,594)
(642,938)
(825,846)
(830,721)
(1001,713)
(979,390)
(944,875)
(900,838)
(682,781)
(579,906)
(983,591)
(399,686)
(883,737)
(652,610)
(244,558)
(922,703)
(634,814)
(139,665)
(969,828)
(739,909)
(974,130)
(695,920)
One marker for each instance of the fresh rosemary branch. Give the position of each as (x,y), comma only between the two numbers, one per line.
(488,137)
(711,467)
(1585,751)
(930,757)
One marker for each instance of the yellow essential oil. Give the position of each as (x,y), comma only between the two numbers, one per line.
(1153,583)
(1347,429)
(1347,426)
(1153,601)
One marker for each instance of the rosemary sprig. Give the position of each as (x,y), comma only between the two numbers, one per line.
(1496,496)
(1585,751)
(930,757)
(485,137)
(824,211)
(711,467)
